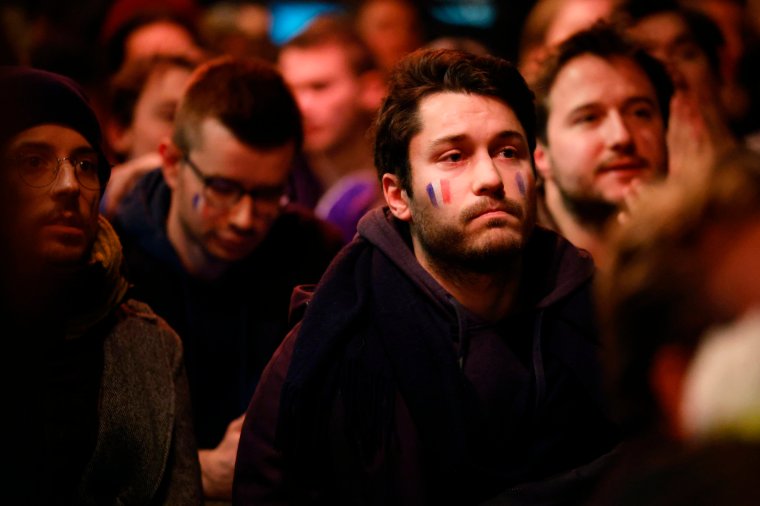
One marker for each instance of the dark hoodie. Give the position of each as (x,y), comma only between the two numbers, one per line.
(229,326)
(391,392)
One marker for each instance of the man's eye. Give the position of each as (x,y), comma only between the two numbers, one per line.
(509,153)
(453,156)
(643,112)
(87,165)
(33,161)
(269,193)
(222,186)
(585,118)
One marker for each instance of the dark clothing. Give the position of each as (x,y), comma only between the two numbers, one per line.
(391,392)
(229,326)
(100,399)
(657,471)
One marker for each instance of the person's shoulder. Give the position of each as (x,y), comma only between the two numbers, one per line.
(556,267)
(144,207)
(136,321)
(299,225)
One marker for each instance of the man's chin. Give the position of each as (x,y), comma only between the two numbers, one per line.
(65,259)
(233,252)
(593,209)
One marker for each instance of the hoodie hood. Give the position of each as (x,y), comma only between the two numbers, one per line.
(553,268)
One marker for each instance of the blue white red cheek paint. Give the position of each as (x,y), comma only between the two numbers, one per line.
(439,192)
(520,180)
(197,201)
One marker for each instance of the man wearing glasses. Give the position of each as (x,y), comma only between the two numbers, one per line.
(96,392)
(213,246)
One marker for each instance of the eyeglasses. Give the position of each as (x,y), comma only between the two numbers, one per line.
(39,170)
(224,193)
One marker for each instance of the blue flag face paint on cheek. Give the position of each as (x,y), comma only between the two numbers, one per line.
(197,199)
(520,180)
(439,192)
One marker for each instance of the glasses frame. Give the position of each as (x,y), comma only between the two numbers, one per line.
(73,160)
(254,193)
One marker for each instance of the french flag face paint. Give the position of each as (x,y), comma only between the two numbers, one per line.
(439,192)
(197,201)
(520,180)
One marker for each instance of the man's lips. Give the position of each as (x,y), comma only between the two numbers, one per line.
(504,207)
(624,164)
(235,241)
(65,220)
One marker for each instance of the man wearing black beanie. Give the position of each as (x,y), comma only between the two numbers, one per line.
(98,400)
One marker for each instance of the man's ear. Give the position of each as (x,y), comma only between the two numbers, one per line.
(396,197)
(373,90)
(543,163)
(171,157)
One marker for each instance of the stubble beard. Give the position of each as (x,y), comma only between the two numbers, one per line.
(592,211)
(452,252)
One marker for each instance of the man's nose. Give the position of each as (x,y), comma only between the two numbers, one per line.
(486,175)
(66,178)
(243,214)
(618,132)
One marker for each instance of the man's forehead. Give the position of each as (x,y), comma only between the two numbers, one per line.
(51,136)
(314,60)
(444,110)
(455,117)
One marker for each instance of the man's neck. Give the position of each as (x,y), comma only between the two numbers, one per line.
(191,255)
(42,295)
(491,296)
(331,165)
(590,235)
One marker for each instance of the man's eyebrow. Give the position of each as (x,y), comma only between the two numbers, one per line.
(511,135)
(637,99)
(45,146)
(40,145)
(584,107)
(640,100)
(449,139)
(453,139)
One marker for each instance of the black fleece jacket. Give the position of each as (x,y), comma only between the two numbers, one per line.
(391,392)
(229,326)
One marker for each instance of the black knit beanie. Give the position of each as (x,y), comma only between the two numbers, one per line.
(31,97)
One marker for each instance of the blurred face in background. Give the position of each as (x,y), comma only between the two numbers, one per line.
(153,115)
(605,130)
(329,95)
(668,38)
(391,29)
(160,37)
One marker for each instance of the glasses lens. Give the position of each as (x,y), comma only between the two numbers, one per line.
(87,171)
(222,192)
(36,170)
(40,170)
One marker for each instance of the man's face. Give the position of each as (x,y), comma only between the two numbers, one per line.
(390,28)
(154,111)
(472,182)
(212,231)
(604,132)
(667,37)
(54,225)
(160,37)
(328,94)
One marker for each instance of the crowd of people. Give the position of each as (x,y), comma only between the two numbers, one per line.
(380,262)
